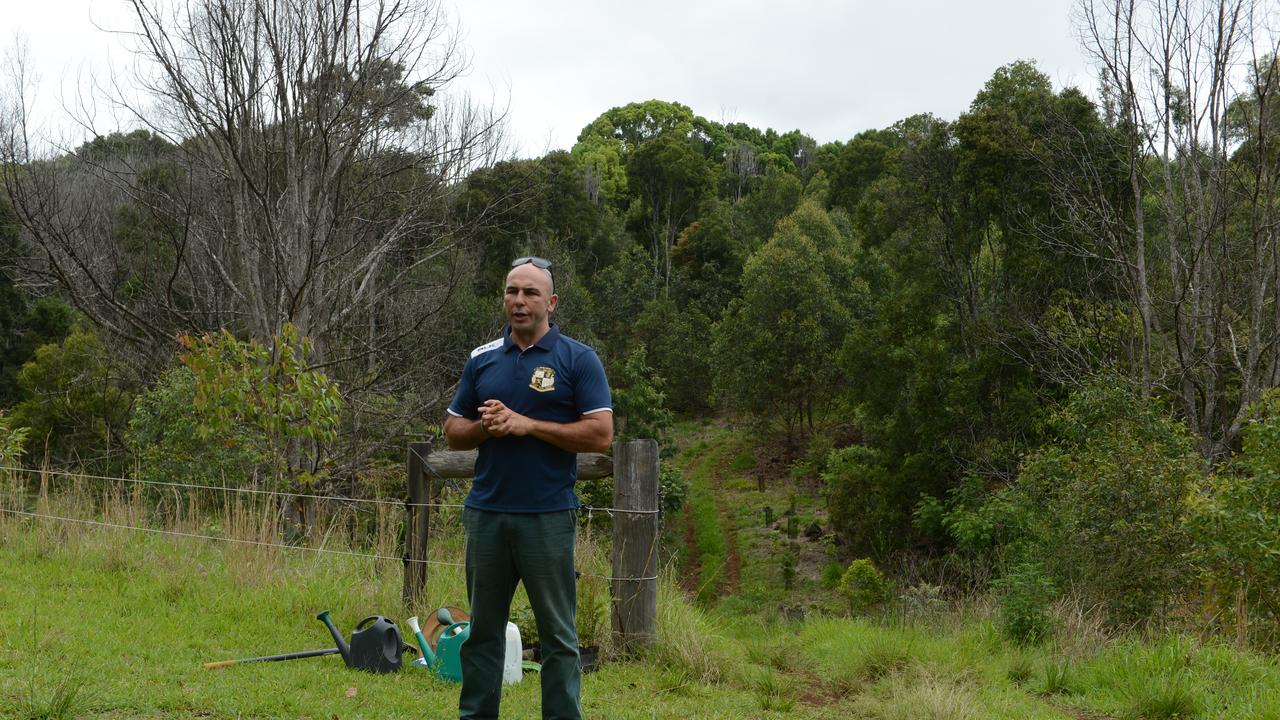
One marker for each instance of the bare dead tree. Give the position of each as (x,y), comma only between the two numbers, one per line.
(1177,73)
(297,164)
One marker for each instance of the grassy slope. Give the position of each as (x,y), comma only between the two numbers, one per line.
(124,622)
(127,624)
(114,624)
(950,665)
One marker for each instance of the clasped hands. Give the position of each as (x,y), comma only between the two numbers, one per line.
(499,420)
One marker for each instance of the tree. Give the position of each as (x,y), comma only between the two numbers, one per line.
(75,400)
(1196,212)
(708,257)
(298,169)
(774,345)
(672,181)
(268,396)
(639,401)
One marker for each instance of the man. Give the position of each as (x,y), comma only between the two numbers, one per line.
(529,401)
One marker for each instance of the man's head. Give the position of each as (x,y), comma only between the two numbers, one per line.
(530,297)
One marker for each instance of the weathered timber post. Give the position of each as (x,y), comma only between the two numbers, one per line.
(417,523)
(635,543)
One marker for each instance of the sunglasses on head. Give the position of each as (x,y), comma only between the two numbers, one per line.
(540,263)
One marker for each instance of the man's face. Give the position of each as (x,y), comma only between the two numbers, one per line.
(528,299)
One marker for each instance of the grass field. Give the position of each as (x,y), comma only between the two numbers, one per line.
(108,623)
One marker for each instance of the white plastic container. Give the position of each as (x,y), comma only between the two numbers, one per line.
(512,656)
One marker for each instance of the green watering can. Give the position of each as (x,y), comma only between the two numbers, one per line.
(446,661)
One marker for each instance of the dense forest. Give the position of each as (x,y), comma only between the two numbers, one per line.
(1037,342)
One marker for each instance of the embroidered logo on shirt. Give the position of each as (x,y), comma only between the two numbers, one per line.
(543,380)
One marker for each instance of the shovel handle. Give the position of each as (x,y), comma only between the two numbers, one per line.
(271,658)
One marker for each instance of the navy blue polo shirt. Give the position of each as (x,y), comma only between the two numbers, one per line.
(557,379)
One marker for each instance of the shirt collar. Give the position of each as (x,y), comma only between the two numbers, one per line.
(546,342)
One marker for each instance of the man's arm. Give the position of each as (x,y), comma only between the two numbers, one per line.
(464,434)
(590,433)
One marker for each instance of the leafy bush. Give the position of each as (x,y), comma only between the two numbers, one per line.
(270,392)
(75,400)
(1106,502)
(862,497)
(12,440)
(1026,594)
(864,586)
(976,521)
(638,399)
(170,444)
(672,489)
(1237,525)
(831,574)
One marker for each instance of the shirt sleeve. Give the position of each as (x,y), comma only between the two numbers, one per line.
(465,400)
(591,391)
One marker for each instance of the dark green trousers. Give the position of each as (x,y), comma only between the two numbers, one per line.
(536,549)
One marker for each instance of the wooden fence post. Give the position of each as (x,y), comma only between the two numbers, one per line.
(417,523)
(635,543)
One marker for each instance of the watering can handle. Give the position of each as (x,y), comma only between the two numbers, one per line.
(362,623)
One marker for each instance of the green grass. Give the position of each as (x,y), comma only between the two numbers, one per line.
(112,624)
(708,533)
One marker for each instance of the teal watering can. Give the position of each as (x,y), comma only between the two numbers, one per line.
(446,660)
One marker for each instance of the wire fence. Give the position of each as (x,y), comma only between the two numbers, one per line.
(198,536)
(287,494)
(262,493)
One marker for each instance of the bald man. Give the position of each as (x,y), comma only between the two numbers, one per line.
(529,401)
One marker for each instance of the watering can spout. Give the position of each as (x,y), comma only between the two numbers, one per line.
(343,647)
(427,654)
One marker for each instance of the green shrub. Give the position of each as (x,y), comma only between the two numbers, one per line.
(863,499)
(1237,526)
(638,399)
(596,493)
(12,440)
(75,400)
(672,489)
(1106,502)
(1026,595)
(863,586)
(831,574)
(169,444)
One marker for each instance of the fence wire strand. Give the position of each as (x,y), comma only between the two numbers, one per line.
(198,536)
(281,546)
(275,493)
(278,493)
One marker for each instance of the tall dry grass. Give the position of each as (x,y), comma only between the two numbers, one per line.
(362,541)
(250,527)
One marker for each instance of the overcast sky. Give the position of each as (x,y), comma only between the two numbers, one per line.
(826,67)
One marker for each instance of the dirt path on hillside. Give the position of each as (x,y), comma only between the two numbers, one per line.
(692,564)
(732,560)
